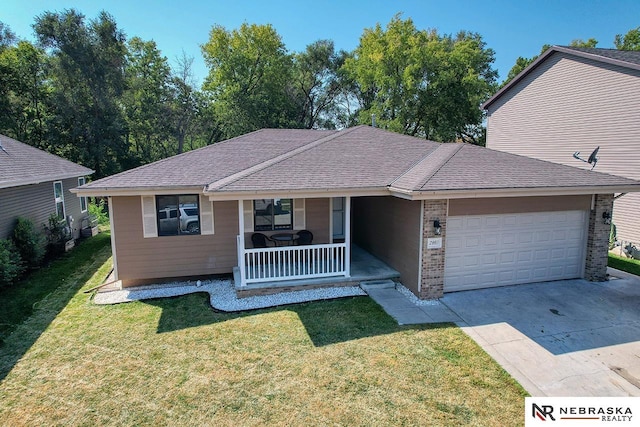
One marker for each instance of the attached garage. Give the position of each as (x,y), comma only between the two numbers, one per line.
(505,249)
(502,241)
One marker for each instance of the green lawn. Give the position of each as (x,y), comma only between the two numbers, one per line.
(625,264)
(178,362)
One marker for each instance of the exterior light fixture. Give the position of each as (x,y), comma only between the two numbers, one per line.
(436,227)
(606,216)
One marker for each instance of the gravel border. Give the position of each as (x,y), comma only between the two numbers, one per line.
(413,298)
(222,295)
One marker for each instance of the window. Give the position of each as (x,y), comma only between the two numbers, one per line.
(58,195)
(178,215)
(83,200)
(273,214)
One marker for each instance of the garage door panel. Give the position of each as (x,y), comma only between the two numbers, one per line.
(494,250)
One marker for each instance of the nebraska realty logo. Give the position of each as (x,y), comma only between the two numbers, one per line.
(582,411)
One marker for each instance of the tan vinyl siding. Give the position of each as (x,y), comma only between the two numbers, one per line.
(571,104)
(36,202)
(162,257)
(389,228)
(317,219)
(510,205)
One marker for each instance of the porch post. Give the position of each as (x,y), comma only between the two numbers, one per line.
(347,236)
(240,243)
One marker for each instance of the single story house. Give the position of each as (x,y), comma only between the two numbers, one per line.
(573,100)
(35,184)
(447,217)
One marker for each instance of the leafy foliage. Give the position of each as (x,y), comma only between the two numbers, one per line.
(421,83)
(98,210)
(629,41)
(248,79)
(11,266)
(29,243)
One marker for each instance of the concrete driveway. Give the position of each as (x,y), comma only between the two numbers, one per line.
(565,338)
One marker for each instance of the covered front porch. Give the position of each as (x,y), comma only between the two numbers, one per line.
(363,267)
(354,240)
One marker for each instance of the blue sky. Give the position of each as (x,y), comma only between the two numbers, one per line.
(510,28)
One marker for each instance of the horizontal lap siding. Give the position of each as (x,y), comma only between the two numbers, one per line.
(389,228)
(509,205)
(572,104)
(36,202)
(172,256)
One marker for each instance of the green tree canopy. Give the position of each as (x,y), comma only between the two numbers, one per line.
(249,79)
(317,80)
(88,81)
(421,83)
(629,41)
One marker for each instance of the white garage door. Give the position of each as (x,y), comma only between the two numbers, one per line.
(482,251)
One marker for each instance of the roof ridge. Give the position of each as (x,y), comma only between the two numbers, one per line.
(445,151)
(275,160)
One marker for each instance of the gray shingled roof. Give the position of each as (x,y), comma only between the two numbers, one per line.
(628,56)
(201,167)
(362,157)
(622,58)
(22,164)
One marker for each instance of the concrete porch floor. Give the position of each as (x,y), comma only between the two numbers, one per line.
(364,267)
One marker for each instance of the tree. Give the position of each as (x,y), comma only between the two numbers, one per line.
(146,101)
(590,43)
(629,41)
(423,84)
(521,64)
(317,84)
(87,82)
(25,95)
(248,80)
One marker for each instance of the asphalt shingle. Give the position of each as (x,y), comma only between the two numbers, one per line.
(280,160)
(22,164)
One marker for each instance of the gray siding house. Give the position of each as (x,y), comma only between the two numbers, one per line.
(34,184)
(574,100)
(446,217)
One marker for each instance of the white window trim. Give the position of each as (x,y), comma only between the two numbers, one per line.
(83,199)
(60,199)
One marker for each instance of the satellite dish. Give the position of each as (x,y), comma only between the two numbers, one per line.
(593,158)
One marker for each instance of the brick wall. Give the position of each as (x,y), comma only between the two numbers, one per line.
(432,267)
(598,239)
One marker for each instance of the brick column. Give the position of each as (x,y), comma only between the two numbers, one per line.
(432,263)
(595,268)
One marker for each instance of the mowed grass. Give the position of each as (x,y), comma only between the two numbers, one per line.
(178,362)
(625,264)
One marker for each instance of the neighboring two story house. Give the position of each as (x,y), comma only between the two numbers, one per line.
(574,100)
(35,184)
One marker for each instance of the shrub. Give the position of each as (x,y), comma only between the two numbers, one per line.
(98,210)
(11,266)
(28,242)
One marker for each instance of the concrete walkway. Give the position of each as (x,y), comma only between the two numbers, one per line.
(404,308)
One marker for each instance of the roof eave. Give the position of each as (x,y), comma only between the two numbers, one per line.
(512,192)
(543,57)
(134,191)
(38,180)
(297,193)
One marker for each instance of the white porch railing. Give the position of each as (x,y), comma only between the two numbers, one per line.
(291,262)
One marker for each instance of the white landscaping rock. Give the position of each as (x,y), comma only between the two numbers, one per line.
(223,296)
